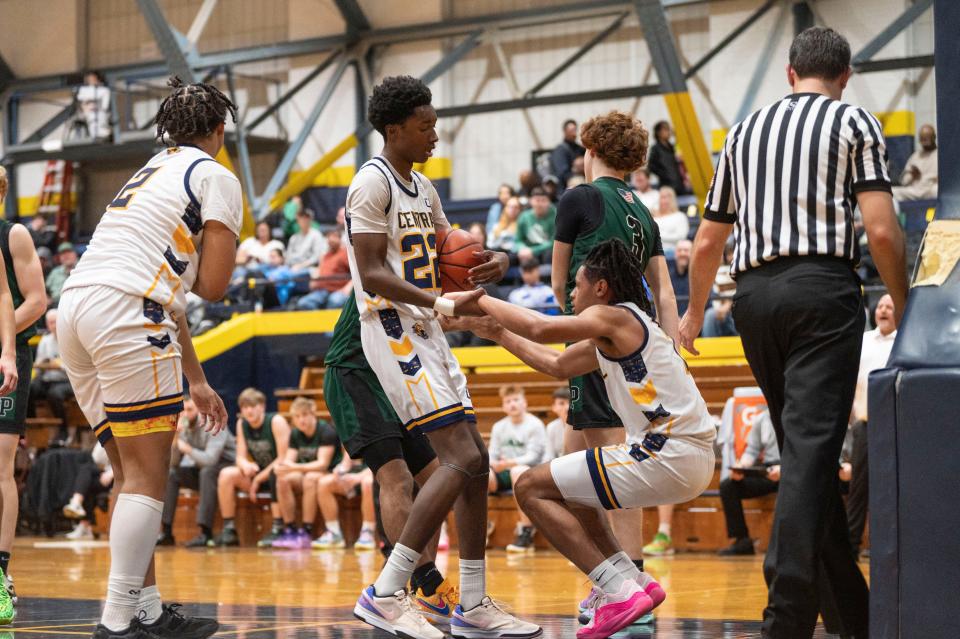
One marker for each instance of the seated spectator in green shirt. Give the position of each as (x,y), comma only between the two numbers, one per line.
(536,228)
(67,260)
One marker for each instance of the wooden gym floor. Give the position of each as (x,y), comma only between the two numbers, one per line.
(264,594)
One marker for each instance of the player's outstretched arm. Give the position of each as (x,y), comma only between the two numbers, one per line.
(548,329)
(8,335)
(370,250)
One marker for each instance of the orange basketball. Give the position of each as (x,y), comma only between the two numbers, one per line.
(455,258)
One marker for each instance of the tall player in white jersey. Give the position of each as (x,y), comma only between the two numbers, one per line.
(667,456)
(126,346)
(393,216)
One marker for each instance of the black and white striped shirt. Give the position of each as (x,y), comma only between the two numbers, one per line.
(788,177)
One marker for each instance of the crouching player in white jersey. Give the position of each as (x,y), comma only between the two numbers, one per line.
(126,346)
(393,216)
(668,453)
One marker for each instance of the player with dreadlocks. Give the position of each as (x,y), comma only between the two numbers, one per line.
(667,454)
(126,345)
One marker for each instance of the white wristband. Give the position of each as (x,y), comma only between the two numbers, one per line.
(444,306)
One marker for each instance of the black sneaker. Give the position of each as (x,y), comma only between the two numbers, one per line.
(177,626)
(228,537)
(523,541)
(200,541)
(743,546)
(166,539)
(135,631)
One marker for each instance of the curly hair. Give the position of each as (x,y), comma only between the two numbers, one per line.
(614,262)
(395,99)
(192,111)
(618,139)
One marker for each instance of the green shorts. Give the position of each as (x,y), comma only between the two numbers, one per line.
(504,481)
(589,405)
(13,407)
(359,408)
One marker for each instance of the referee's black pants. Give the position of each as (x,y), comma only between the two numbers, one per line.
(801,321)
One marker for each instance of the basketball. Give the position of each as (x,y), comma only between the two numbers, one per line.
(455,258)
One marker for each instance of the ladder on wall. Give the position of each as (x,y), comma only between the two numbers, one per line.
(57,196)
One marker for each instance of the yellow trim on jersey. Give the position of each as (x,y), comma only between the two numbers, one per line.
(416,382)
(604,479)
(163,424)
(183,241)
(164,271)
(645,395)
(433,418)
(403,348)
(104,426)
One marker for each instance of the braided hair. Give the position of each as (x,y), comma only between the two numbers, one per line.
(192,111)
(614,262)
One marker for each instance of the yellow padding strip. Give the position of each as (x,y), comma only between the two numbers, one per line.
(898,123)
(163,424)
(717,138)
(690,141)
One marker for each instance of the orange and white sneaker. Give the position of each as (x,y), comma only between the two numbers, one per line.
(438,608)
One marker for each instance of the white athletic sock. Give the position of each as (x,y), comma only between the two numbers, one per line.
(473,582)
(334,527)
(664,528)
(368,525)
(151,605)
(622,562)
(133,536)
(396,572)
(644,579)
(607,577)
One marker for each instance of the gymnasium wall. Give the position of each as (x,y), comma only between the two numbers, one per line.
(482,150)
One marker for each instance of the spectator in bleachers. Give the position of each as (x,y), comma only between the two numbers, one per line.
(718,318)
(679,276)
(92,480)
(517,442)
(504,236)
(561,160)
(196,462)
(51,381)
(66,261)
(256,250)
(761,450)
(306,245)
(504,193)
(281,275)
(330,283)
(577,176)
(291,209)
(920,176)
(534,293)
(663,161)
(43,235)
(528,180)
(349,478)
(551,186)
(557,429)
(46,260)
(341,219)
(672,222)
(649,196)
(262,439)
(877,345)
(479,233)
(536,227)
(313,452)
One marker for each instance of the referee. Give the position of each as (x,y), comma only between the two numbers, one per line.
(787,183)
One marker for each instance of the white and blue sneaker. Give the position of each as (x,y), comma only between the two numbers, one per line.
(395,614)
(489,621)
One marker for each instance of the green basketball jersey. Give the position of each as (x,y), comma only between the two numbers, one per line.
(345,348)
(307,447)
(5,227)
(260,441)
(625,218)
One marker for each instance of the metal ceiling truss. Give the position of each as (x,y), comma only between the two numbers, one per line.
(863,61)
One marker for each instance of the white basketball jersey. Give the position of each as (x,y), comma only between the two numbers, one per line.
(652,391)
(148,241)
(380,201)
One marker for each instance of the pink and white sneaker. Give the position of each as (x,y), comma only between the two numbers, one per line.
(615,612)
(655,592)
